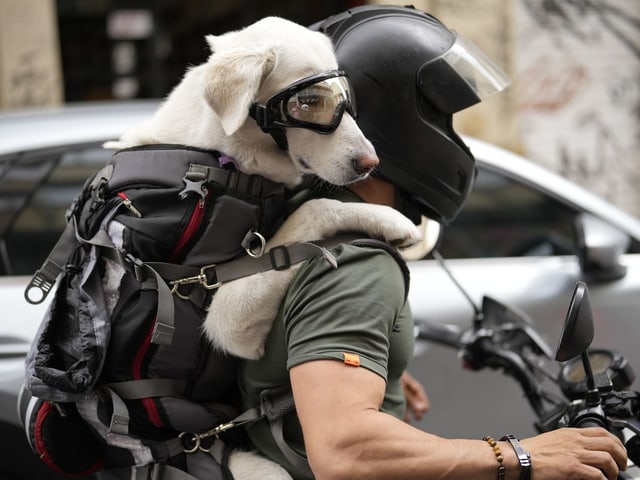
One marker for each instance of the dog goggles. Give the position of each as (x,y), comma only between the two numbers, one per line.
(316,102)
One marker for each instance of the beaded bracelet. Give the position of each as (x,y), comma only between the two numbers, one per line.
(498,454)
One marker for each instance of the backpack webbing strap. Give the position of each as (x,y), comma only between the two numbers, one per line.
(148,387)
(159,167)
(164,326)
(274,405)
(120,417)
(136,390)
(161,471)
(212,276)
(45,277)
(234,180)
(294,458)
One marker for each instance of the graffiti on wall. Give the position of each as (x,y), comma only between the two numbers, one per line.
(578,90)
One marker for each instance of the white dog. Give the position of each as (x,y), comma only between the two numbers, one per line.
(210,109)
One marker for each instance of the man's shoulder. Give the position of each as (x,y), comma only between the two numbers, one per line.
(357,259)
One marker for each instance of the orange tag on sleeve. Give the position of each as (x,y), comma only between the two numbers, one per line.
(352,359)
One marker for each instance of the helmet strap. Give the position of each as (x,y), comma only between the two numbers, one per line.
(408,206)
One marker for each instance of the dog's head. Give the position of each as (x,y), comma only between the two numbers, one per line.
(248,67)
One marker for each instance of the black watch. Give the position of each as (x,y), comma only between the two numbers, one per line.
(523,456)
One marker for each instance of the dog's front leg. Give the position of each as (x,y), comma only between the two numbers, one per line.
(242,311)
(324,218)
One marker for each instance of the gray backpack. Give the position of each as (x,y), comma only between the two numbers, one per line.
(119,353)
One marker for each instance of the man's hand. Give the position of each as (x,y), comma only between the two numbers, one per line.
(417,399)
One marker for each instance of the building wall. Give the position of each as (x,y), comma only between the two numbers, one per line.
(574,104)
(30,72)
(578,92)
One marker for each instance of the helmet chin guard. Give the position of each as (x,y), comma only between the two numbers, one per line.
(410,73)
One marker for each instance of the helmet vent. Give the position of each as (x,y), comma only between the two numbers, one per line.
(463,179)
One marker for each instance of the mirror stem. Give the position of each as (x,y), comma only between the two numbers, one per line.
(593,395)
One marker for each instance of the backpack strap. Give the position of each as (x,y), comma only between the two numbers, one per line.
(45,278)
(130,163)
(213,276)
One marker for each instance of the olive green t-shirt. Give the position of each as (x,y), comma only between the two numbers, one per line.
(358,308)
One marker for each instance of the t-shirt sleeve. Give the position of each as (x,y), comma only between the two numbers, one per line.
(345,314)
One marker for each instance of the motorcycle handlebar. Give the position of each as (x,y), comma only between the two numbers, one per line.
(444,334)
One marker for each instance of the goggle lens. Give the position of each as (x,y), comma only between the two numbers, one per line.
(321,103)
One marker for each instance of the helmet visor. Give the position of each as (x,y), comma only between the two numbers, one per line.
(462,76)
(482,75)
(316,103)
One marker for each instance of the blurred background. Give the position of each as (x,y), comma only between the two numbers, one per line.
(574,105)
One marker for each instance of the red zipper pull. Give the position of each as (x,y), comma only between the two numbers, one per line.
(129,205)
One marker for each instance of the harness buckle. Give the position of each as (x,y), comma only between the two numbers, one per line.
(201,278)
(279,256)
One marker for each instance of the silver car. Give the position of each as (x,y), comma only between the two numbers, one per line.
(525,236)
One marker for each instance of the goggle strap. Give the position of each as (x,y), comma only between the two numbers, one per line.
(280,137)
(260,114)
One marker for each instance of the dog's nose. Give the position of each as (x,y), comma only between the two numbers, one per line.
(365,164)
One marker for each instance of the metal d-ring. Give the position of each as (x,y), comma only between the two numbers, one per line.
(196,438)
(256,252)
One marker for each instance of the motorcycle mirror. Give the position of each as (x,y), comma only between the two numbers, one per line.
(577,331)
(496,314)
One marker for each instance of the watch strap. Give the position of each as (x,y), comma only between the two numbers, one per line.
(523,456)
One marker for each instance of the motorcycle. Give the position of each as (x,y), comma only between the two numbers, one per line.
(575,386)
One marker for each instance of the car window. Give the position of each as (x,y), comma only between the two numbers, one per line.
(36,188)
(505,218)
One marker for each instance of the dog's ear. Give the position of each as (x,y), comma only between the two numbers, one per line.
(232,81)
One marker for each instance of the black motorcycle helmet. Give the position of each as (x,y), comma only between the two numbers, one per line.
(410,73)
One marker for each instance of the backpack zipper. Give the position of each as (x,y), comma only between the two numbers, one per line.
(195,220)
(126,201)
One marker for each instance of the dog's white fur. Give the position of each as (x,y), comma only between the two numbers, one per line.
(209,109)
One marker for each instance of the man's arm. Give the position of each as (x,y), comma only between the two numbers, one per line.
(346,437)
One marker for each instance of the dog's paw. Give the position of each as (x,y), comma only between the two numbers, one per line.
(252,466)
(384,223)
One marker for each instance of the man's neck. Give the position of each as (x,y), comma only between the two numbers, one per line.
(375,190)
